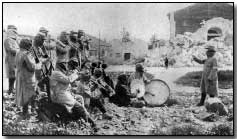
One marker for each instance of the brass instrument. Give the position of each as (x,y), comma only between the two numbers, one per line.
(103,86)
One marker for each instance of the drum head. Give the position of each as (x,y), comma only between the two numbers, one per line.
(160,91)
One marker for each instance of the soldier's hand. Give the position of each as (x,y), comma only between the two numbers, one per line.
(38,65)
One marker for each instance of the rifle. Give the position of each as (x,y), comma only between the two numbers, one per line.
(45,79)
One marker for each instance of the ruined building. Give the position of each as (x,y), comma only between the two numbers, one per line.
(192,17)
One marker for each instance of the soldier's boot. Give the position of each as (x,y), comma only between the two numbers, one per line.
(203,97)
(93,124)
(25,113)
(11,82)
(107,116)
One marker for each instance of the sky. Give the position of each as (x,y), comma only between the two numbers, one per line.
(141,20)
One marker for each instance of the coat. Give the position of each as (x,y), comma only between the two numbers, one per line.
(60,93)
(11,48)
(62,52)
(25,79)
(122,96)
(209,81)
(73,51)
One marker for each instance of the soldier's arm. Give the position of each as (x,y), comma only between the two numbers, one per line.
(29,63)
(58,76)
(213,74)
(61,47)
(145,79)
(9,47)
(198,60)
(48,46)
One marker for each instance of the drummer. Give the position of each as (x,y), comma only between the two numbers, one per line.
(123,96)
(139,74)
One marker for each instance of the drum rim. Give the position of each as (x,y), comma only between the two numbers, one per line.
(168,89)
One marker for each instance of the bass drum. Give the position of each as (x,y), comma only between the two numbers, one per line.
(157,92)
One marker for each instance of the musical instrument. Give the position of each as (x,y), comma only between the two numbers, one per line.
(157,92)
(103,85)
(137,87)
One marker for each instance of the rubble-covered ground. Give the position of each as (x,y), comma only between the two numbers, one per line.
(179,116)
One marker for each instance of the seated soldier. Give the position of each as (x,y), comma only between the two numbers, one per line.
(59,84)
(123,96)
(139,79)
(139,74)
(98,92)
(105,77)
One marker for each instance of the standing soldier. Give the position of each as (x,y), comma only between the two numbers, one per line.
(62,49)
(11,48)
(41,46)
(166,62)
(84,42)
(25,70)
(74,50)
(209,81)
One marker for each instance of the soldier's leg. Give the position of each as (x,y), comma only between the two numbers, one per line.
(11,82)
(203,93)
(80,111)
(25,110)
(97,103)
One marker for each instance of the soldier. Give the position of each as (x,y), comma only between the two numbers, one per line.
(166,62)
(98,92)
(41,47)
(25,70)
(40,42)
(209,81)
(59,84)
(123,96)
(84,42)
(139,74)
(74,50)
(138,79)
(62,49)
(11,48)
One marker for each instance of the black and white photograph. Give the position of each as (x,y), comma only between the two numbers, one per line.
(76,69)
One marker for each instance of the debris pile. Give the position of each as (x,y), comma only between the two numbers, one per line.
(216,31)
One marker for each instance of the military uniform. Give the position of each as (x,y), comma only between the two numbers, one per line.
(11,49)
(25,81)
(209,81)
(60,93)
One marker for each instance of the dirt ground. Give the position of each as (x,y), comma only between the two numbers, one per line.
(181,117)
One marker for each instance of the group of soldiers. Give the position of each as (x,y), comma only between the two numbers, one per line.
(61,68)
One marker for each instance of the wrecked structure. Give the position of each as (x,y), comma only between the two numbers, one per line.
(126,52)
(213,25)
(189,18)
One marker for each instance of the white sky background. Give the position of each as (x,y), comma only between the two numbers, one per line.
(140,19)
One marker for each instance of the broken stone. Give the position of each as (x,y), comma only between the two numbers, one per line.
(210,118)
(215,105)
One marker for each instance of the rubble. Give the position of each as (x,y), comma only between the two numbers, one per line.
(215,105)
(180,50)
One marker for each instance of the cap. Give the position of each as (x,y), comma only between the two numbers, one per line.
(211,48)
(43,30)
(11,27)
